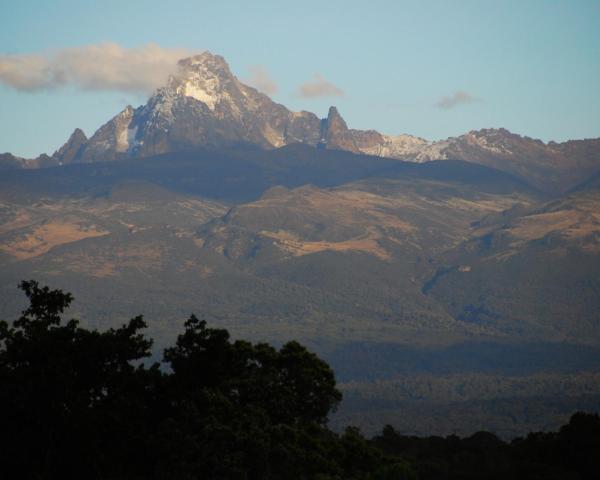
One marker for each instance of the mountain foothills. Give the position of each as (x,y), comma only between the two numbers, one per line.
(435,277)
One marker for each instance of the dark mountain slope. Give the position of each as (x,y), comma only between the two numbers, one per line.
(535,270)
(244,173)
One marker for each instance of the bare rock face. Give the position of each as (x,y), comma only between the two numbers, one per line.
(336,135)
(70,150)
(367,139)
(203,104)
(112,141)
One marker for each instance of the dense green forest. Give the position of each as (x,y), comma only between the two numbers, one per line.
(80,403)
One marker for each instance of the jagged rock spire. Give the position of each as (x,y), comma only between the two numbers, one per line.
(69,151)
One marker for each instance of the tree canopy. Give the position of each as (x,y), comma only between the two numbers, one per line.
(80,403)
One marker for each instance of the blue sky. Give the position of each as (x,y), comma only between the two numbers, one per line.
(530,66)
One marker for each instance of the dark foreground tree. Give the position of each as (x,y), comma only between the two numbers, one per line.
(81,404)
(78,403)
(73,401)
(239,410)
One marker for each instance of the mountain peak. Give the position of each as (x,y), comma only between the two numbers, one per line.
(126,112)
(204,59)
(69,151)
(335,120)
(203,77)
(493,132)
(78,135)
(335,133)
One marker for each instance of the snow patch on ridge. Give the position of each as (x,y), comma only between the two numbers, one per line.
(484,143)
(122,140)
(435,151)
(123,134)
(397,146)
(132,143)
(200,78)
(206,94)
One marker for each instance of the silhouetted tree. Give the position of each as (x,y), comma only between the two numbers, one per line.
(69,396)
(239,397)
(291,385)
(78,403)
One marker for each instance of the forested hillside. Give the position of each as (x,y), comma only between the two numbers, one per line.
(81,403)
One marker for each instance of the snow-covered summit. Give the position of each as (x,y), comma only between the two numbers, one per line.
(205,77)
(204,105)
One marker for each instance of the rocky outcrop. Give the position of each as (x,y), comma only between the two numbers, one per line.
(10,162)
(112,141)
(70,150)
(551,167)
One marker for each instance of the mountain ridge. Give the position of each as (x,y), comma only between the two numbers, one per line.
(204,104)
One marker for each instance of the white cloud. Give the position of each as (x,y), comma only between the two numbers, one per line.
(261,80)
(319,87)
(458,98)
(106,66)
